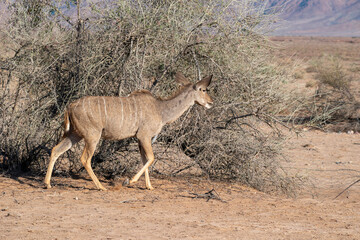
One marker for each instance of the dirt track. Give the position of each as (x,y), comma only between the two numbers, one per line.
(73,210)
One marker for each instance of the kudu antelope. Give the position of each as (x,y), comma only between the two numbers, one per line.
(139,114)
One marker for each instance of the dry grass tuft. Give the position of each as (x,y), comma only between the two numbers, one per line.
(331,72)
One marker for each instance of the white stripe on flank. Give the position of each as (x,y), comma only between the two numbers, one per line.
(83,105)
(122,112)
(135,110)
(130,110)
(86,112)
(105,109)
(140,114)
(99,108)
(90,110)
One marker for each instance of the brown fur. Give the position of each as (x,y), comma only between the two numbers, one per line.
(174,94)
(139,114)
(142,91)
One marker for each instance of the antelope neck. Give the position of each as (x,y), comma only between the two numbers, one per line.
(172,109)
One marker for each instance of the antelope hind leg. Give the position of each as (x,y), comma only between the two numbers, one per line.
(64,145)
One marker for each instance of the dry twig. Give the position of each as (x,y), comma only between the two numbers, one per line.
(347,188)
(208,195)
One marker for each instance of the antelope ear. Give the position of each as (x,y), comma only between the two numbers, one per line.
(205,82)
(181,79)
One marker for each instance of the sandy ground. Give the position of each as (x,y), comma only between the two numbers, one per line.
(72,209)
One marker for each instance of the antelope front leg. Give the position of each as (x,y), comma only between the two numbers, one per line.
(144,161)
(86,161)
(147,156)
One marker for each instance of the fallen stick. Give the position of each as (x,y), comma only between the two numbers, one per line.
(208,195)
(347,188)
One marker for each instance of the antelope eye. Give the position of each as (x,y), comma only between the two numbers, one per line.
(202,90)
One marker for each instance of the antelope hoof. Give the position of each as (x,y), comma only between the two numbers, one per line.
(100,187)
(47,185)
(149,187)
(126,182)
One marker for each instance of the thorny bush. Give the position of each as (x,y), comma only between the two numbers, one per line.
(61,52)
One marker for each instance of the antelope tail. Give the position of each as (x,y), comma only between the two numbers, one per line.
(66,124)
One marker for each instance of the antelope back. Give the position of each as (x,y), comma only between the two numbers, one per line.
(113,117)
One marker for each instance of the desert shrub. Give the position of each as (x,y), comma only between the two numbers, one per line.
(334,99)
(113,48)
(355,68)
(331,72)
(298,75)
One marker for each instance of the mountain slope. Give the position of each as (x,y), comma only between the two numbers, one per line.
(319,17)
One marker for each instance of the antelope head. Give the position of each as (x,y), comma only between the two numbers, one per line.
(200,94)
